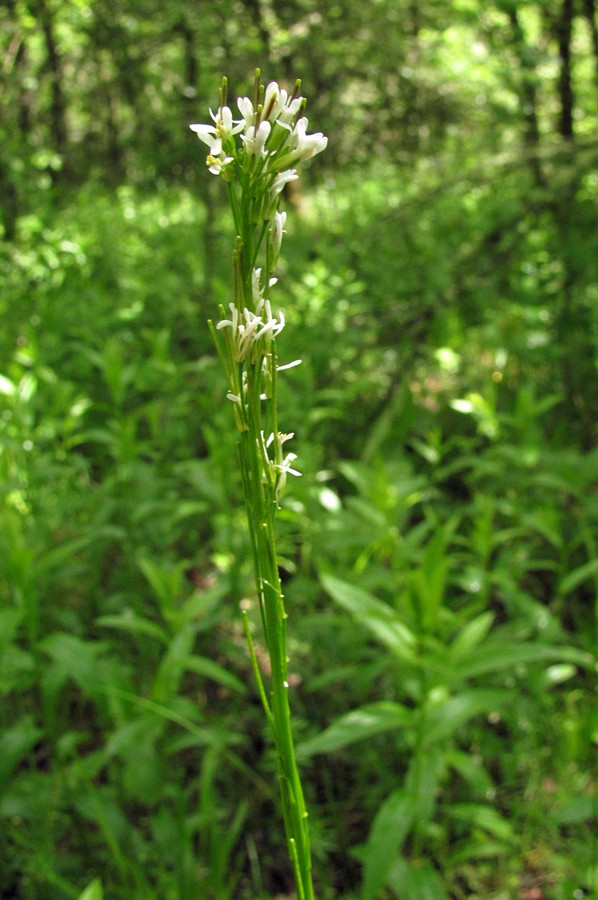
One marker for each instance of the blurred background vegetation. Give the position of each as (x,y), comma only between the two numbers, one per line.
(440,551)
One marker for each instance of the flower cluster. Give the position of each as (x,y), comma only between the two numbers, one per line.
(257,154)
(273,136)
(252,332)
(280,467)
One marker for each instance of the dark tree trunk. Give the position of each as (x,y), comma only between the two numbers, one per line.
(528,95)
(590,14)
(564,27)
(58,128)
(10,203)
(191,68)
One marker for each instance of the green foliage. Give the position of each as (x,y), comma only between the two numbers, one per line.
(439,552)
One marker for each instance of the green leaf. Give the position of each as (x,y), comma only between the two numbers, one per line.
(55,558)
(582,809)
(390,828)
(429,580)
(213,670)
(481,816)
(129,621)
(417,880)
(472,634)
(496,654)
(457,710)
(7,387)
(87,663)
(360,723)
(15,744)
(470,770)
(573,579)
(173,662)
(93,891)
(382,621)
(426,770)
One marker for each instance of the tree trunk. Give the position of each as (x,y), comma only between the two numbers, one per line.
(527,94)
(58,128)
(589,13)
(564,27)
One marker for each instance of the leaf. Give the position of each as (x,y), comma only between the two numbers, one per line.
(426,770)
(73,658)
(471,635)
(582,809)
(484,817)
(416,881)
(457,710)
(573,579)
(471,770)
(15,744)
(429,580)
(93,891)
(56,557)
(361,723)
(500,654)
(173,663)
(390,828)
(216,672)
(7,387)
(87,663)
(17,670)
(377,617)
(10,619)
(129,621)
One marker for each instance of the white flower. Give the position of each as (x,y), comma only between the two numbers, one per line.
(276,232)
(285,466)
(255,139)
(247,111)
(248,328)
(281,179)
(277,107)
(213,135)
(291,365)
(274,100)
(223,128)
(289,111)
(217,163)
(226,126)
(281,466)
(207,134)
(300,146)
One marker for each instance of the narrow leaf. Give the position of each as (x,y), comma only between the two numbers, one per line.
(390,828)
(213,670)
(130,621)
(93,891)
(416,880)
(573,579)
(379,618)
(364,722)
(495,655)
(457,710)
(472,634)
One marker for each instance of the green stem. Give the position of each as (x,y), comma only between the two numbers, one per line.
(252,376)
(261,506)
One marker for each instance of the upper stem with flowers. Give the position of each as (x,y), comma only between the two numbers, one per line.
(256,155)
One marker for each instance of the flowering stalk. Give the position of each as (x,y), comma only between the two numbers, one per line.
(256,155)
